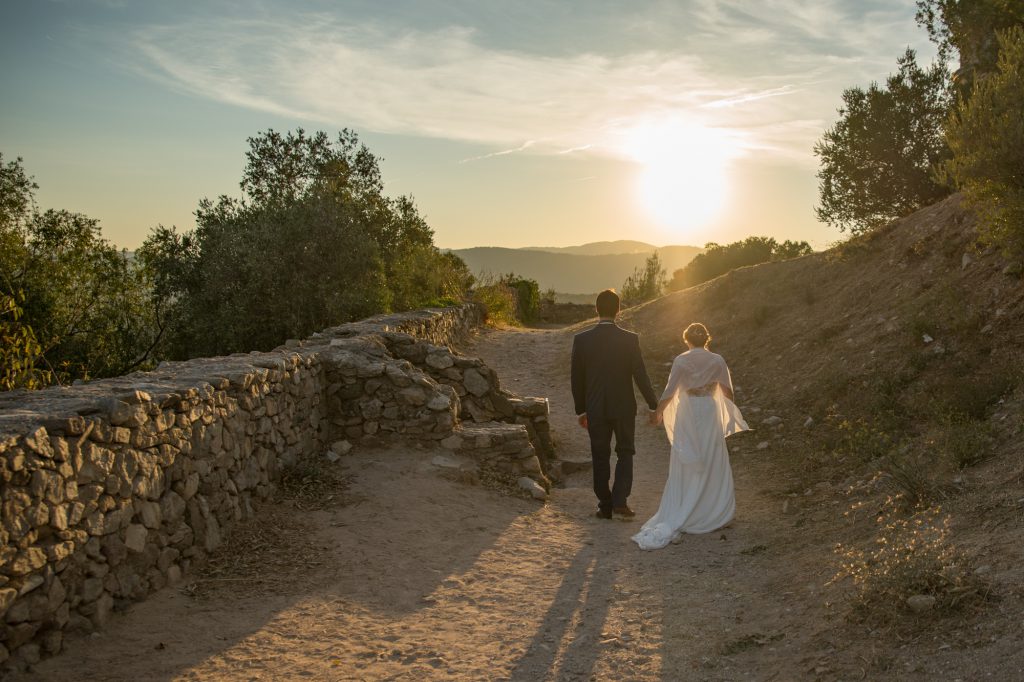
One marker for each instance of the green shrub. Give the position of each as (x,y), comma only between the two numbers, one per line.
(510,299)
(986,134)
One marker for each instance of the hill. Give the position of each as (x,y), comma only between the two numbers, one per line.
(567,272)
(599,248)
(882,377)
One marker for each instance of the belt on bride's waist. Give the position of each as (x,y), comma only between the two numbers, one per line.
(702,391)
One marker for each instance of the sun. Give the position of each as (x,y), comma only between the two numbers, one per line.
(683,181)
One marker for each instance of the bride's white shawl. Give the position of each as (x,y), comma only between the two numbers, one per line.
(695,368)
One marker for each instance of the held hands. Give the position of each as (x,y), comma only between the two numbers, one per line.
(582,419)
(654,417)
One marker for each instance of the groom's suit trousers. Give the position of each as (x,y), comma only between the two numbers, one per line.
(601,430)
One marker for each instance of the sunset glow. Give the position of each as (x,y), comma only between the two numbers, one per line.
(683,179)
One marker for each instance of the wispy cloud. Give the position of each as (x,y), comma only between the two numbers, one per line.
(452,83)
(504,152)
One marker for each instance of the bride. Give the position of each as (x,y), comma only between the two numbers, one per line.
(698,412)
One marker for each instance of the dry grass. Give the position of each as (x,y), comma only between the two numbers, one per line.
(273,551)
(910,555)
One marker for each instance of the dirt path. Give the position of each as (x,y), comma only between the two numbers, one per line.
(423,577)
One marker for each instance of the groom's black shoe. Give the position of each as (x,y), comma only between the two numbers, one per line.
(602,514)
(624,513)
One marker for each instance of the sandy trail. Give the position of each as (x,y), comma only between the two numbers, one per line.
(422,577)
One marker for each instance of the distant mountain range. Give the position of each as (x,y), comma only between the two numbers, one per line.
(584,269)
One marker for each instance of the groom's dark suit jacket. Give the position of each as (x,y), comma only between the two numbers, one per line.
(606,361)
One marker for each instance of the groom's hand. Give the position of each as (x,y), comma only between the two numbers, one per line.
(652,417)
(582,419)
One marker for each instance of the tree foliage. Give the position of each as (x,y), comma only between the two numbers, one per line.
(878,161)
(314,242)
(968,28)
(986,134)
(83,303)
(21,356)
(717,259)
(646,283)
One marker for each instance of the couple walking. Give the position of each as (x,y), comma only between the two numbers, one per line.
(696,409)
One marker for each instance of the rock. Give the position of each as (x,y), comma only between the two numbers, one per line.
(332,456)
(125,414)
(572,466)
(30,653)
(26,561)
(452,442)
(92,588)
(135,537)
(19,612)
(413,395)
(475,383)
(341,447)
(531,486)
(102,609)
(773,420)
(52,641)
(149,513)
(763,445)
(439,360)
(439,402)
(983,570)
(7,597)
(79,624)
(809,422)
(920,603)
(172,506)
(965,260)
(927,338)
(446,462)
(31,583)
(173,575)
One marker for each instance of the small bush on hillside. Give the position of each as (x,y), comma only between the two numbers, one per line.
(919,477)
(964,441)
(646,283)
(857,440)
(910,556)
(986,134)
(527,293)
(510,299)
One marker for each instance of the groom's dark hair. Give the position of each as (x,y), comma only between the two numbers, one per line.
(608,303)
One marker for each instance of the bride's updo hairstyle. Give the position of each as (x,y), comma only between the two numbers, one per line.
(697,335)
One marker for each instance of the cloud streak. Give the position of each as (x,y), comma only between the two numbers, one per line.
(451,83)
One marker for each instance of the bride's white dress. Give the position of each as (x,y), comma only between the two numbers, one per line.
(698,496)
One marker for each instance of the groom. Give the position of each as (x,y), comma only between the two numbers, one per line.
(606,361)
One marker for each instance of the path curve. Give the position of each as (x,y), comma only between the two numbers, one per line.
(423,576)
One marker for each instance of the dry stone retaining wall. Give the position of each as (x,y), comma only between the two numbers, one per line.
(113,489)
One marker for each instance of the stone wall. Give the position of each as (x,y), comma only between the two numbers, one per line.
(115,488)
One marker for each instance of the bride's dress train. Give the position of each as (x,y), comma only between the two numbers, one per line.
(698,495)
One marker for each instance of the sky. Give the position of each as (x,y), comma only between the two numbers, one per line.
(527,123)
